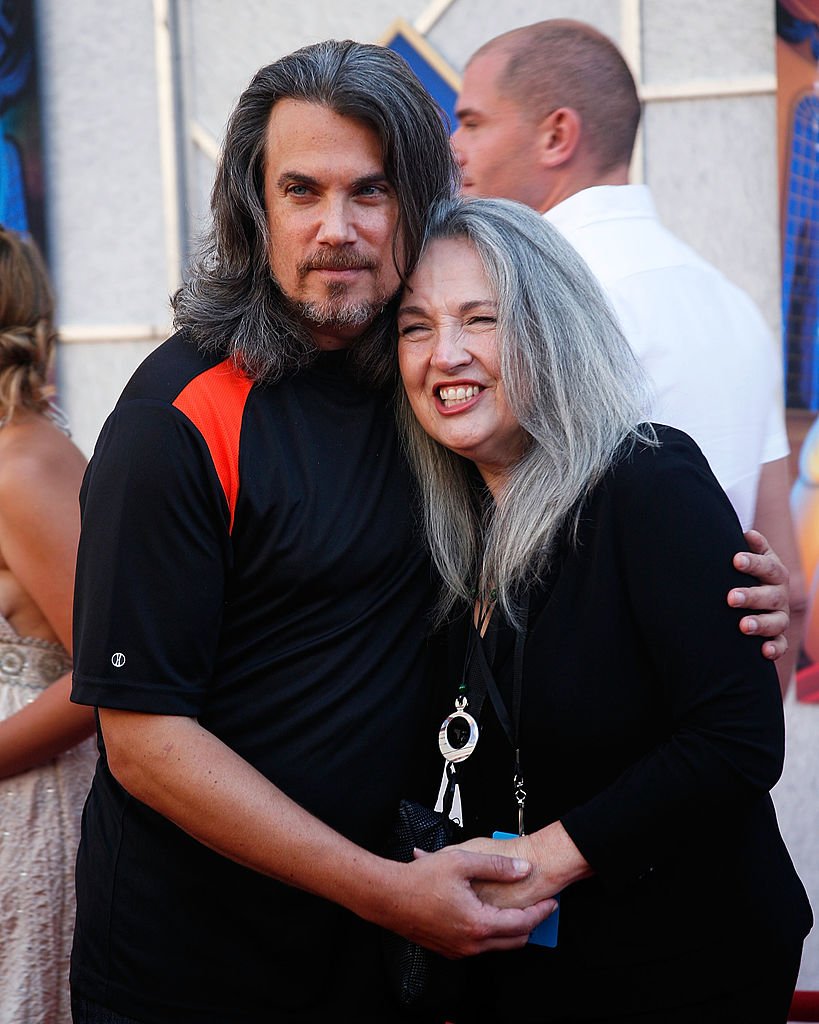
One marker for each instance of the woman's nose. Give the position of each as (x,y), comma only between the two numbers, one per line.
(449,350)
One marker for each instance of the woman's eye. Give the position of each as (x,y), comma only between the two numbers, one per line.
(410,329)
(481,321)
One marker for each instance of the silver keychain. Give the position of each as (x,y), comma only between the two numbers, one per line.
(520,794)
(458,735)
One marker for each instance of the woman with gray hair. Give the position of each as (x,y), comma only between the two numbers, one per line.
(625,747)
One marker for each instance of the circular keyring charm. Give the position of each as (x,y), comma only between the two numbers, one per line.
(458,736)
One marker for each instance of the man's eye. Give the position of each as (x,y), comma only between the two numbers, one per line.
(371,191)
(297,190)
(481,321)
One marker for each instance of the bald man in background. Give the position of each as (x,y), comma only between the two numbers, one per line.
(548,115)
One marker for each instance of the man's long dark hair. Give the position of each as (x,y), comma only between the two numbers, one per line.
(230,302)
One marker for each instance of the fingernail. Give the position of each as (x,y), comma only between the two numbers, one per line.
(521,865)
(743,561)
(751,626)
(737,597)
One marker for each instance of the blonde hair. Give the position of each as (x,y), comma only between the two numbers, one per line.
(27,332)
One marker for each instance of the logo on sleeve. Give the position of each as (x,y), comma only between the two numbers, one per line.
(118,660)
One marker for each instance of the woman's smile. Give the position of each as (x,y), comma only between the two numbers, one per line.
(458,396)
(448,352)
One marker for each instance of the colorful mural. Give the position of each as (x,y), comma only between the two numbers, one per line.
(21,164)
(797,25)
(800,243)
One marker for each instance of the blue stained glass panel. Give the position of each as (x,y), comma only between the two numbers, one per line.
(800,270)
(432,80)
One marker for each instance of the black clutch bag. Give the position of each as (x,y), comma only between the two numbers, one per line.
(419,978)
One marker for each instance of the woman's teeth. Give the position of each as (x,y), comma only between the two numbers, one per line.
(456,395)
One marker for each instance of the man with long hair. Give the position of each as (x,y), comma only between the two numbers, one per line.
(252,593)
(252,596)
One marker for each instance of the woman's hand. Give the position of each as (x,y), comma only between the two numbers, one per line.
(556,862)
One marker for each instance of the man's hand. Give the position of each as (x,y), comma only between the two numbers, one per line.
(770,598)
(437,906)
(555,864)
(187,774)
(528,890)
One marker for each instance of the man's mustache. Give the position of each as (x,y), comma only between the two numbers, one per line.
(336,259)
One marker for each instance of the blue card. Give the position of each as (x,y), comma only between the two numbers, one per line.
(546,932)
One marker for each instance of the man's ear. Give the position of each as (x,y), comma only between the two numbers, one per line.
(559,137)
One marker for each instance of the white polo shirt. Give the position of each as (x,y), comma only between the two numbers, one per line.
(714,366)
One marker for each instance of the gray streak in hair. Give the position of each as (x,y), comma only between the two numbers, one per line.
(570,378)
(230,302)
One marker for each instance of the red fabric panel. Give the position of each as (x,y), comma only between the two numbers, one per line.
(215,402)
(805,1006)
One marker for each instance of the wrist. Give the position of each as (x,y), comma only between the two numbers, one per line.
(376,889)
(555,858)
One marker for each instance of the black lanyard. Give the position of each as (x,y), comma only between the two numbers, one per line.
(482,682)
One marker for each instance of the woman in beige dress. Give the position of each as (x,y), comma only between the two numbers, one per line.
(46,755)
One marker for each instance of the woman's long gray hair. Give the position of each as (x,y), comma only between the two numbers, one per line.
(571,380)
(231,303)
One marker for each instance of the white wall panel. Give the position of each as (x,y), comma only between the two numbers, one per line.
(706,39)
(469,24)
(104,197)
(711,165)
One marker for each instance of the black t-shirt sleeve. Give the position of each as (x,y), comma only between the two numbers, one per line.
(153,556)
(676,535)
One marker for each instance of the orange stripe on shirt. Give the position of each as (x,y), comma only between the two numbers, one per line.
(215,403)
